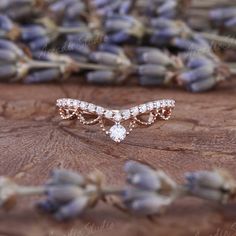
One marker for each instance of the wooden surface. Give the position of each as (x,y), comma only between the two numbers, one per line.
(33,140)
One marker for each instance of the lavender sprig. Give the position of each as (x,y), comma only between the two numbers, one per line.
(147,191)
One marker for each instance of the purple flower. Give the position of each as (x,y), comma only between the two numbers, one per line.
(148,190)
(211,185)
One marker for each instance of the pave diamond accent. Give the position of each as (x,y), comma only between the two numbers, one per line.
(100,110)
(117,133)
(143,108)
(126,114)
(134,111)
(117,117)
(83,105)
(91,107)
(108,114)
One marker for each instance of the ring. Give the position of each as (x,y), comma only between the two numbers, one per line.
(90,114)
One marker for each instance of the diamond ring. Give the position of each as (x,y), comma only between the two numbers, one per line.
(123,121)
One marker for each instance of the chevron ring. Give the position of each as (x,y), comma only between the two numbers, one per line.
(123,121)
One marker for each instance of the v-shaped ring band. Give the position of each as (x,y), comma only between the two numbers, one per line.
(76,109)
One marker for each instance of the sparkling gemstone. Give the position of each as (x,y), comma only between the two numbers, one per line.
(117,133)
(108,114)
(143,108)
(135,111)
(157,104)
(64,102)
(100,110)
(83,105)
(91,107)
(70,103)
(59,103)
(126,114)
(117,117)
(150,106)
(75,103)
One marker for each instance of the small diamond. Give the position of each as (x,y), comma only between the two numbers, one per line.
(64,102)
(126,114)
(157,104)
(100,110)
(59,103)
(71,103)
(83,105)
(150,106)
(143,108)
(91,107)
(117,133)
(117,117)
(75,103)
(162,104)
(108,114)
(134,111)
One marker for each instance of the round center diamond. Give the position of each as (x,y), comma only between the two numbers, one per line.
(117,133)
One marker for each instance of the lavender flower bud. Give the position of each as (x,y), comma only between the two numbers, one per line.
(117,25)
(151,205)
(72,209)
(152,70)
(60,176)
(75,10)
(40,43)
(101,77)
(111,48)
(167,33)
(43,76)
(231,22)
(100,3)
(198,61)
(6,44)
(222,14)
(5,23)
(215,185)
(151,81)
(155,57)
(161,23)
(145,178)
(49,206)
(106,58)
(74,47)
(7,56)
(148,181)
(64,193)
(133,167)
(32,32)
(7,71)
(200,73)
(168,6)
(202,85)
(118,38)
(125,7)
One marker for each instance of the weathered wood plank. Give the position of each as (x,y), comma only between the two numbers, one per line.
(33,140)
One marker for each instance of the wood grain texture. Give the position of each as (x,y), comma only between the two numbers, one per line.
(33,140)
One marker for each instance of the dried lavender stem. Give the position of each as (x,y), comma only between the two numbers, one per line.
(112,191)
(73,30)
(223,40)
(30,190)
(93,66)
(43,65)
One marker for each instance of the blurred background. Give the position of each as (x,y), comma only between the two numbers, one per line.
(172,43)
